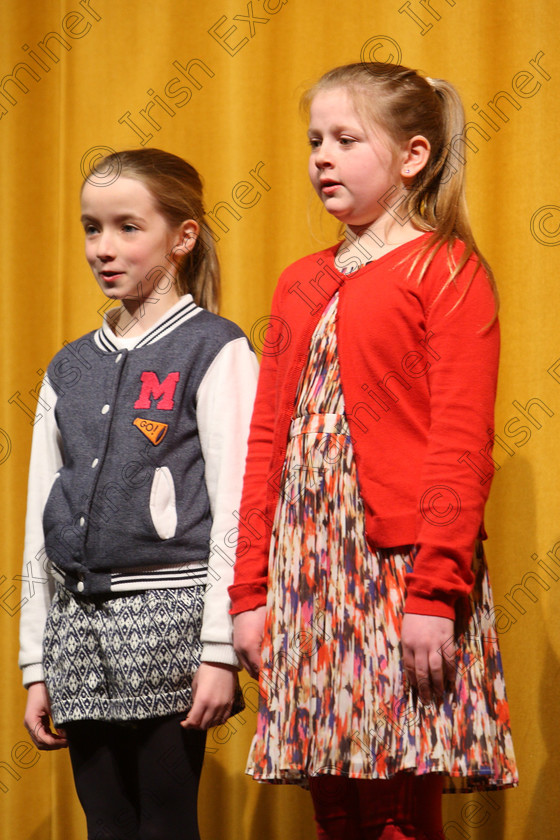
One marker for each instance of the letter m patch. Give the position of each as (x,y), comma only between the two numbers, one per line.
(153,389)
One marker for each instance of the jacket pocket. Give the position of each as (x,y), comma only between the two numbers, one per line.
(163,509)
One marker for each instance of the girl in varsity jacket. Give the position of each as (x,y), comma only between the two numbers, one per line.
(135,478)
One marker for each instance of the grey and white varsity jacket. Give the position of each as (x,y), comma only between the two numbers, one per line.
(137,467)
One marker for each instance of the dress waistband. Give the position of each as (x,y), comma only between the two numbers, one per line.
(335,424)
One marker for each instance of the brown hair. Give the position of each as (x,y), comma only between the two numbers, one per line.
(178,193)
(403,103)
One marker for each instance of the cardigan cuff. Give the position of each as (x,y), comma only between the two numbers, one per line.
(418,605)
(247,596)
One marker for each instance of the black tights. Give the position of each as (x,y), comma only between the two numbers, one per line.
(137,782)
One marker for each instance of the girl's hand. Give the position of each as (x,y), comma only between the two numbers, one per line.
(428,653)
(248,631)
(37,719)
(213,690)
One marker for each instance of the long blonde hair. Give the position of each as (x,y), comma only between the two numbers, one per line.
(176,188)
(403,103)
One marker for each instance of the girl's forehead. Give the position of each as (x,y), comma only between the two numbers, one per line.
(120,183)
(332,98)
(122,188)
(336,105)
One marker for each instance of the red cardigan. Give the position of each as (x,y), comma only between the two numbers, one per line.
(418,367)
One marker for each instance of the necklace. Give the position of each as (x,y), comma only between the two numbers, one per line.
(351,269)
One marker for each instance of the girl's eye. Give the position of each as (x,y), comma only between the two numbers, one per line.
(346,141)
(314,143)
(89,230)
(129,228)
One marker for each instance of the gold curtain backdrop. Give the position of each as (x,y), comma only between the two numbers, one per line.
(219,83)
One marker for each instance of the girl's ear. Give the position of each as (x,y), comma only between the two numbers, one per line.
(185,241)
(416,156)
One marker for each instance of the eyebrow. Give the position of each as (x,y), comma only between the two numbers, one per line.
(341,127)
(122,217)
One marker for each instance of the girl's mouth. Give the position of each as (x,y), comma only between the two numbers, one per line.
(329,187)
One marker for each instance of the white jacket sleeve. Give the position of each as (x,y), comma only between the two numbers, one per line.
(224,408)
(37,583)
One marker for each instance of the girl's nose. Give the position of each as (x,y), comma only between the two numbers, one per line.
(322,156)
(105,246)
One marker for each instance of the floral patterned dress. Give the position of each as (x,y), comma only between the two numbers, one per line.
(333,694)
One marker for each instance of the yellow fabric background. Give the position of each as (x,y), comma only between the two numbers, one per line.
(242,112)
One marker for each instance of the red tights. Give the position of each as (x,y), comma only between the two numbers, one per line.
(406,807)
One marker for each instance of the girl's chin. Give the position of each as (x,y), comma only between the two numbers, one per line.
(336,213)
(346,217)
(112,291)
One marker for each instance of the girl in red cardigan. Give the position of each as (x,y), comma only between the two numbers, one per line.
(361,597)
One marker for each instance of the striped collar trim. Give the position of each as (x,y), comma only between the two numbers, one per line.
(106,340)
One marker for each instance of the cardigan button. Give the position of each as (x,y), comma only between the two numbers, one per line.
(94,463)
(105,408)
(80,586)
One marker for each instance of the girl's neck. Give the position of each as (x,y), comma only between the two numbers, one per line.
(363,245)
(136,317)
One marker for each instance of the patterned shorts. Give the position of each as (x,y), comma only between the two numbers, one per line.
(122,658)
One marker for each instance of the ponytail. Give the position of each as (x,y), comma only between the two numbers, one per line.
(199,272)
(438,201)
